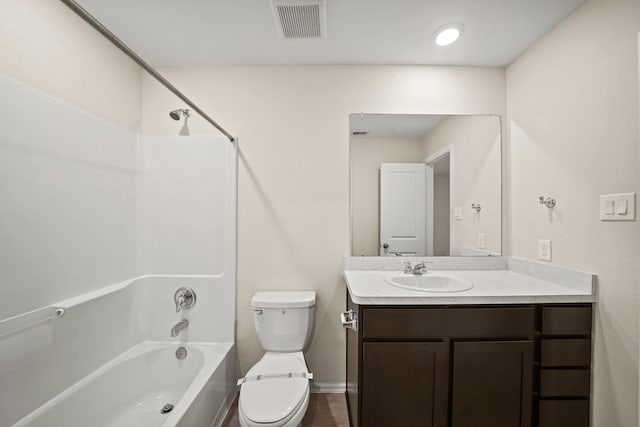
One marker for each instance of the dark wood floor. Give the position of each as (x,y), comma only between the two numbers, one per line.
(325,410)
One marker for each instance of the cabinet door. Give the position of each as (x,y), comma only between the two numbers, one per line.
(492,384)
(404,384)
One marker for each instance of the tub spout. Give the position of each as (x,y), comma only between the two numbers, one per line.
(178,327)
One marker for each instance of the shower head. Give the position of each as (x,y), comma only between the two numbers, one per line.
(175,114)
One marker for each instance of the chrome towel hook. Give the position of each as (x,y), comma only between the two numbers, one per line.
(476,207)
(549,202)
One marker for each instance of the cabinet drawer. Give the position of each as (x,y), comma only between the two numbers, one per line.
(564,383)
(412,323)
(566,320)
(564,413)
(566,352)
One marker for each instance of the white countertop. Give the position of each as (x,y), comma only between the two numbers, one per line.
(489,287)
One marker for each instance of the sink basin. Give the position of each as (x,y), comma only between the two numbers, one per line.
(430,282)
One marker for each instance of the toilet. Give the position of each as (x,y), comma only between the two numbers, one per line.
(275,391)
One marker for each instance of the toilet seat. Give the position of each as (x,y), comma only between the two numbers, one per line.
(291,420)
(275,401)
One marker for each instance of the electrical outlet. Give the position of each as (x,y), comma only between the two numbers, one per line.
(480,240)
(544,250)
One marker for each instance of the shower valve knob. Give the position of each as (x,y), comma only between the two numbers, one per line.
(185,298)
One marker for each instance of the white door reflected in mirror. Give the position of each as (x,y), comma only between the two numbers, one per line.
(403,209)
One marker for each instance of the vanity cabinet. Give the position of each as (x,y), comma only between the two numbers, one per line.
(461,366)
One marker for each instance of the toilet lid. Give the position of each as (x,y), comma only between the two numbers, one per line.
(271,400)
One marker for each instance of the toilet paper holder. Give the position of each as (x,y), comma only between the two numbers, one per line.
(349,319)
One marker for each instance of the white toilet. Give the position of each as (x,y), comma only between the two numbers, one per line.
(275,391)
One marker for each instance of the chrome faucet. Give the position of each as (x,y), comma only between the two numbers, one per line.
(184,298)
(418,269)
(178,327)
(407,267)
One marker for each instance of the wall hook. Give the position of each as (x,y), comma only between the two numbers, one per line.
(549,202)
(476,207)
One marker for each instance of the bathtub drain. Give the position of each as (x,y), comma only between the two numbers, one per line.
(166,408)
(181,353)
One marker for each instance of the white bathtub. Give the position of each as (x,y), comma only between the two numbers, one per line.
(131,389)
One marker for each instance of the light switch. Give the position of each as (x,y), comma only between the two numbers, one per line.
(608,207)
(621,206)
(457,213)
(618,207)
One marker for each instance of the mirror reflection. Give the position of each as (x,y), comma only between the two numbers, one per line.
(425,185)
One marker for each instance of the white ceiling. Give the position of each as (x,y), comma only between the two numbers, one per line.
(405,126)
(202,32)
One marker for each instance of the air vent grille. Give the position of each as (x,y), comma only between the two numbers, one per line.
(299,19)
(359,133)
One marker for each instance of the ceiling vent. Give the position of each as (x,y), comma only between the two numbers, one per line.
(300,19)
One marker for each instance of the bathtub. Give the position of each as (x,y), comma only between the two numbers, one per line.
(132,389)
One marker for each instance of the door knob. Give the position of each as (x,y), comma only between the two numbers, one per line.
(385,246)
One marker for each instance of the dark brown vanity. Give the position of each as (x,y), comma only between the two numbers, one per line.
(520,365)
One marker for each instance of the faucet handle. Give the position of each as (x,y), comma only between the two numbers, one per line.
(420,268)
(407,266)
(184,298)
(423,263)
(179,302)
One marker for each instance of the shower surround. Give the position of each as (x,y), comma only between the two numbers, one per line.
(106,224)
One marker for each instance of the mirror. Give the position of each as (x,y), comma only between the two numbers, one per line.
(425,185)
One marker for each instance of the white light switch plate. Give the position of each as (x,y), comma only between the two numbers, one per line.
(618,207)
(544,250)
(457,213)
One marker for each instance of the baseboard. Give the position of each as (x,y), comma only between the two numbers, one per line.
(328,387)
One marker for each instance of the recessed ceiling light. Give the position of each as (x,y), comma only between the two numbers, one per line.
(448,33)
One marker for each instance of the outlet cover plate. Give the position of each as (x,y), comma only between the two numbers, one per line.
(544,250)
(481,240)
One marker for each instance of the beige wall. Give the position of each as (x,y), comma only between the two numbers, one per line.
(366,156)
(573,117)
(293,124)
(476,172)
(43,44)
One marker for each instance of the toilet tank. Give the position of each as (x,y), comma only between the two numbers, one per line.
(284,319)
